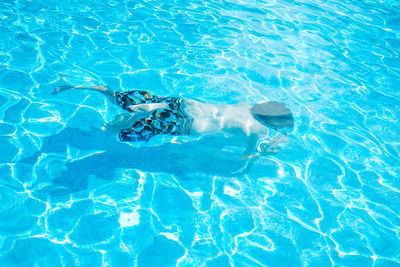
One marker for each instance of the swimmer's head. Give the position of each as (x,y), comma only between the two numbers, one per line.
(273,114)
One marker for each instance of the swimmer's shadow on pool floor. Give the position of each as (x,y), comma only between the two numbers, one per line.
(205,155)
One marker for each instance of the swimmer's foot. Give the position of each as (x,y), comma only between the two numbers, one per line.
(63,88)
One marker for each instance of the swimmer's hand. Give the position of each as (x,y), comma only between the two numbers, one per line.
(270,148)
(267,151)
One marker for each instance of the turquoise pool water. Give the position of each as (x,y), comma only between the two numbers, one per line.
(72,195)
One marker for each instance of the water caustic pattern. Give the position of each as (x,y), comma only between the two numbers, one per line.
(72,195)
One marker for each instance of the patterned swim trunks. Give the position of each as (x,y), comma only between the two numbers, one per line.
(171,120)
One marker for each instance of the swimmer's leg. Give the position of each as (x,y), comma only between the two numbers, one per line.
(146,107)
(108,92)
(99,88)
(136,100)
(120,121)
(132,101)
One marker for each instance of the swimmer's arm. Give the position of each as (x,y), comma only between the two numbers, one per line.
(250,146)
(147,107)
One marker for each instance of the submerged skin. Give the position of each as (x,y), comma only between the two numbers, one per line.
(234,120)
(231,119)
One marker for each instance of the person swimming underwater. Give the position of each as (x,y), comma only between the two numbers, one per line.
(149,115)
